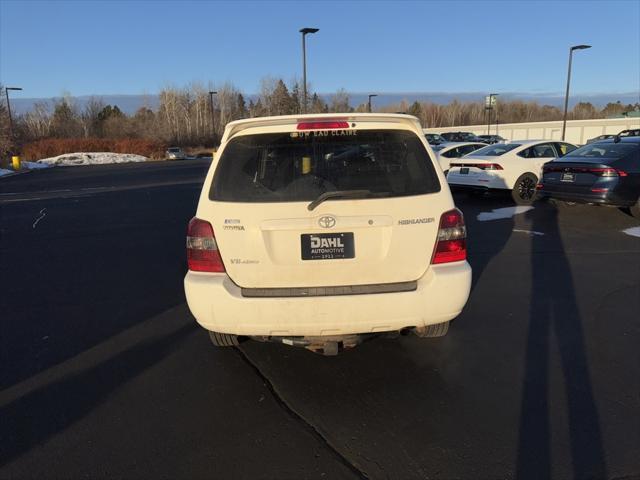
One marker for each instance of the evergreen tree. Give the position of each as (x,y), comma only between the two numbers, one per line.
(241,108)
(415,109)
(281,103)
(318,105)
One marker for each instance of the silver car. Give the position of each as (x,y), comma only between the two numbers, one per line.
(175,153)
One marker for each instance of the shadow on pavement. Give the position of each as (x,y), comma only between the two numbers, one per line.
(555,317)
(484,243)
(90,270)
(32,419)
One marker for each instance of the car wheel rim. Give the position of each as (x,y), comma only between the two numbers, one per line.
(526,189)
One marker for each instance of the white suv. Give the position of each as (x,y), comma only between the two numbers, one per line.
(322,230)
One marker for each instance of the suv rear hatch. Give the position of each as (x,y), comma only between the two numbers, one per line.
(325,204)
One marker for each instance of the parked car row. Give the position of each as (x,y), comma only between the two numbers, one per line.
(606,172)
(435,139)
(623,133)
(176,153)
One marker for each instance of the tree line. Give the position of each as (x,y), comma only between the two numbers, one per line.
(183,116)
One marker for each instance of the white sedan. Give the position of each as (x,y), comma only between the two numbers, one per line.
(514,166)
(446,151)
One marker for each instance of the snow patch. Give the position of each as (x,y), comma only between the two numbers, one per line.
(4,171)
(531,233)
(92,158)
(501,213)
(633,231)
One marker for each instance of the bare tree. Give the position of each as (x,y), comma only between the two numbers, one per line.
(340,102)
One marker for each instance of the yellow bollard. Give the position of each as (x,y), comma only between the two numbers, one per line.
(15,161)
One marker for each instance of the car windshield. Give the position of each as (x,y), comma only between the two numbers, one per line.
(596,151)
(293,166)
(495,150)
(174,150)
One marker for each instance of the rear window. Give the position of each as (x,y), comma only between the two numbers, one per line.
(300,166)
(495,150)
(595,151)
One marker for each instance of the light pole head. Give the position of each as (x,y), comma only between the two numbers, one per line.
(213,93)
(304,31)
(580,47)
(13,88)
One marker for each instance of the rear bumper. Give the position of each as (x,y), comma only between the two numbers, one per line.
(483,181)
(604,198)
(218,305)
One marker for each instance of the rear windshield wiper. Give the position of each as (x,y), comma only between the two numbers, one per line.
(344,194)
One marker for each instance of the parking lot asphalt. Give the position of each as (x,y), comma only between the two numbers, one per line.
(105,373)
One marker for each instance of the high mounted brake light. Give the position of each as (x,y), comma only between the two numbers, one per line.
(452,234)
(202,249)
(331,125)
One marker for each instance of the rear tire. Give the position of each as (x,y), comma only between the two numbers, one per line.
(435,330)
(524,190)
(224,339)
(635,210)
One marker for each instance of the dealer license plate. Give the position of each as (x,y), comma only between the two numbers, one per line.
(327,246)
(568,177)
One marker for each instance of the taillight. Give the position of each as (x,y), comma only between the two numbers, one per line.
(452,234)
(539,186)
(598,171)
(481,166)
(327,125)
(488,166)
(608,172)
(202,249)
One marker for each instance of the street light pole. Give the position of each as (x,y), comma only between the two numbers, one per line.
(304,32)
(490,108)
(213,118)
(369,101)
(6,92)
(566,95)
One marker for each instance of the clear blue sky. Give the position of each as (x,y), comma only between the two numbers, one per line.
(118,47)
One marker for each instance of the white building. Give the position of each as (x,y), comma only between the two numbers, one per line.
(578,131)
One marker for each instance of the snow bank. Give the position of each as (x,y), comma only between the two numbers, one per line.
(93,158)
(4,171)
(633,231)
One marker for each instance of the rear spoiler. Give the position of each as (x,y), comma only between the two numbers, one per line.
(235,127)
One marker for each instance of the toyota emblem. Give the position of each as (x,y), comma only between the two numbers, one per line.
(327,222)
